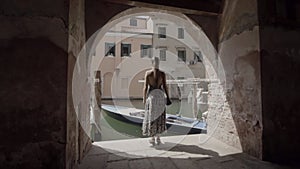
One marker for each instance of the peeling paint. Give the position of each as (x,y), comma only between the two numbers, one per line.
(238,16)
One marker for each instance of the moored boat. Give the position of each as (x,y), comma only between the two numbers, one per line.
(177,124)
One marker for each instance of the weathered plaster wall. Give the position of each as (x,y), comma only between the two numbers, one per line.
(280,93)
(237,114)
(33,72)
(98,13)
(78,115)
(280,63)
(209,25)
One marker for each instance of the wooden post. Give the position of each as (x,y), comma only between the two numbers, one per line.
(96,130)
(194,101)
(97,86)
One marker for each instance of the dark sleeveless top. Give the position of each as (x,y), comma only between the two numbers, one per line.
(152,88)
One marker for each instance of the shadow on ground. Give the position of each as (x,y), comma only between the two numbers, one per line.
(178,157)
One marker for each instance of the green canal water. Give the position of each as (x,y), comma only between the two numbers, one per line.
(113,129)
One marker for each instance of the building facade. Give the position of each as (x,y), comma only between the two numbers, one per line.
(124,54)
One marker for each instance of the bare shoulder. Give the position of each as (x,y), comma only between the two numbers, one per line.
(162,73)
(149,72)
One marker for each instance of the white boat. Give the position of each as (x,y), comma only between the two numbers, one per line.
(177,124)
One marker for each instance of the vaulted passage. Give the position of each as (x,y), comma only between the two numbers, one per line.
(48,86)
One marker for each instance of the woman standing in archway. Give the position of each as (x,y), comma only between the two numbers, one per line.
(154,99)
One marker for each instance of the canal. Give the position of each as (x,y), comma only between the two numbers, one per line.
(113,129)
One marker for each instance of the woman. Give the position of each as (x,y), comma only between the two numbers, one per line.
(154,99)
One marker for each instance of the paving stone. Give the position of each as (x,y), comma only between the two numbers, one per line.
(181,155)
(94,162)
(97,151)
(193,149)
(140,164)
(123,164)
(162,163)
(185,164)
(170,154)
(234,164)
(211,155)
(176,149)
(116,157)
(208,164)
(223,159)
(253,162)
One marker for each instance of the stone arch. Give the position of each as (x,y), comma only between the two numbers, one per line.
(214,67)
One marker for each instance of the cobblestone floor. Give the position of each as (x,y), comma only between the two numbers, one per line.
(175,152)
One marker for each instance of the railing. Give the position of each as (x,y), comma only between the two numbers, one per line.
(194,82)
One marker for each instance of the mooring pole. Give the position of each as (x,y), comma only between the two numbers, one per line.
(194,101)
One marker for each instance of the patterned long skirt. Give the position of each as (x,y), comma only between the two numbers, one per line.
(155,121)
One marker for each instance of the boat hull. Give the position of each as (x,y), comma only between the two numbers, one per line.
(197,128)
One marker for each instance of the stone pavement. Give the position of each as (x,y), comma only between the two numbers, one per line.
(176,152)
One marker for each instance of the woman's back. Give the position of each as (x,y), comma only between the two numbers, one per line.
(155,78)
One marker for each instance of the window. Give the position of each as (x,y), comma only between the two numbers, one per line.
(181,55)
(180,33)
(125,49)
(162,55)
(133,22)
(162,32)
(109,49)
(198,56)
(146,51)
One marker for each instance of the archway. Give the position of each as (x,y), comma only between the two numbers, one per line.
(214,67)
(227,130)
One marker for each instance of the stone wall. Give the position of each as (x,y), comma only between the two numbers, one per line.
(33,50)
(209,25)
(99,12)
(39,129)
(235,110)
(78,115)
(280,63)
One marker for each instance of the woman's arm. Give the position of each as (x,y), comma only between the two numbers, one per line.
(145,87)
(164,80)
